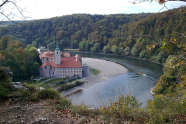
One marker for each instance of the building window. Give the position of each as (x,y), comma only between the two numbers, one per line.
(47,58)
(43,58)
(57,52)
(71,71)
(45,66)
(74,71)
(51,58)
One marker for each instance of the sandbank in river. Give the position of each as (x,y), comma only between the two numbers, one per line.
(108,70)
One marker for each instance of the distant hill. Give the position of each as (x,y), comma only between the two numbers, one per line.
(6,23)
(122,30)
(73,28)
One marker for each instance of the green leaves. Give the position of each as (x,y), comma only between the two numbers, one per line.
(166,44)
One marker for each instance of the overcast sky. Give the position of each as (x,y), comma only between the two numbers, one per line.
(41,9)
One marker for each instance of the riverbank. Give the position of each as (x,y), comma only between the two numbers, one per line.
(151,91)
(107,70)
(119,55)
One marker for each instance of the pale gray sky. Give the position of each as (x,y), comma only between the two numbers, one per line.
(40,9)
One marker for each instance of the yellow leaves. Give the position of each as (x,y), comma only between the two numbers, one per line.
(1,56)
(125,46)
(103,109)
(182,77)
(175,42)
(180,63)
(149,47)
(182,11)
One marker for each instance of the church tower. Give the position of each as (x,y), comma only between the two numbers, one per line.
(57,55)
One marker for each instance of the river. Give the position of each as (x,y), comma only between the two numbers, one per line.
(129,83)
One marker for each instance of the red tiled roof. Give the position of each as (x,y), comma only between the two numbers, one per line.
(47,54)
(66,54)
(46,63)
(66,62)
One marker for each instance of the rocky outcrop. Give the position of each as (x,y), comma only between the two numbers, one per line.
(16,85)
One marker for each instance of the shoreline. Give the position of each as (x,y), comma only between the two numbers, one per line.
(119,55)
(107,70)
(151,91)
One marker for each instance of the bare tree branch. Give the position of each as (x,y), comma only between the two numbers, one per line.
(159,1)
(4,3)
(15,11)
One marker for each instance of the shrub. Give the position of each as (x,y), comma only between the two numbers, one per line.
(127,107)
(65,87)
(77,83)
(5,85)
(48,94)
(83,110)
(164,110)
(3,91)
(62,103)
(165,85)
(30,87)
(169,71)
(24,92)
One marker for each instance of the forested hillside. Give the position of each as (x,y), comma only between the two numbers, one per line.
(70,30)
(124,34)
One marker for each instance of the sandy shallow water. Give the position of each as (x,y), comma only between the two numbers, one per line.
(108,70)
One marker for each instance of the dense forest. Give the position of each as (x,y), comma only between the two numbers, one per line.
(124,34)
(70,30)
(23,62)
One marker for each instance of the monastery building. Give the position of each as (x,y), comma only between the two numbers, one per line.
(53,65)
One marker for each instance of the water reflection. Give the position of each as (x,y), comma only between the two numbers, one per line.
(131,83)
